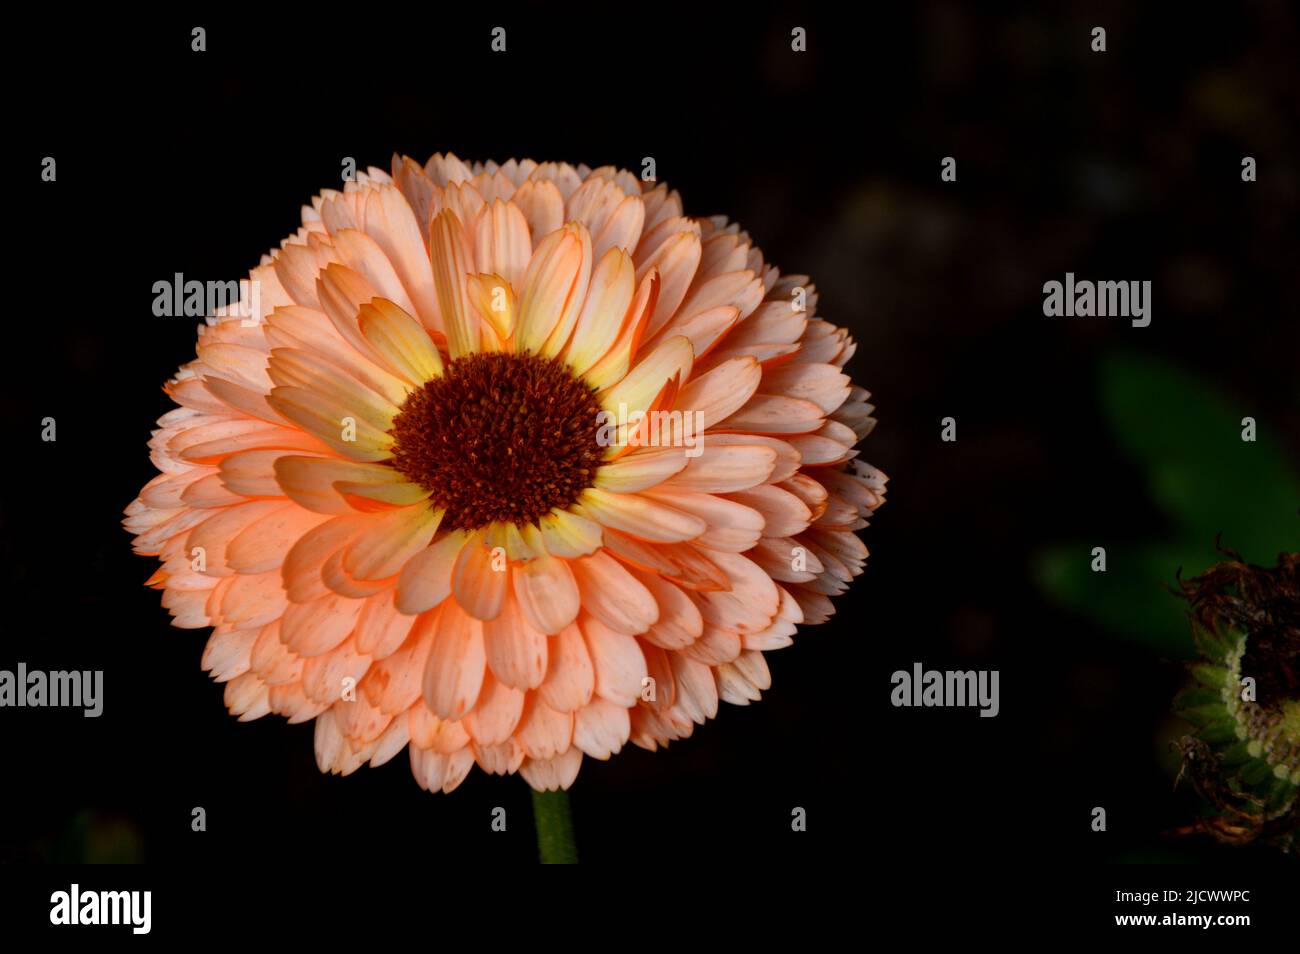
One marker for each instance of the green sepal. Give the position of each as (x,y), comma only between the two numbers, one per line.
(1236,754)
(1255,772)
(1214,646)
(1198,700)
(1219,733)
(1212,676)
(1281,792)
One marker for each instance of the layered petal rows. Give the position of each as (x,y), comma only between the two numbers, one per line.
(339,549)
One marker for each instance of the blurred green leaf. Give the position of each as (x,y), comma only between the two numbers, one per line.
(1130,599)
(1185,437)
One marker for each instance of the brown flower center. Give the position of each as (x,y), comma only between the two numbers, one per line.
(499,437)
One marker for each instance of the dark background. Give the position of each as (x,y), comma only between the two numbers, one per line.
(1122,165)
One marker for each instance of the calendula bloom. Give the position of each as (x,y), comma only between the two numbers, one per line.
(1244,758)
(512,464)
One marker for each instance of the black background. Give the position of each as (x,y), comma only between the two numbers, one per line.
(1110,165)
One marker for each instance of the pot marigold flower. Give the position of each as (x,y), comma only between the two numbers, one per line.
(1244,758)
(513,463)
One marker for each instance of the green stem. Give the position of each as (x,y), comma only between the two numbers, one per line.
(554,823)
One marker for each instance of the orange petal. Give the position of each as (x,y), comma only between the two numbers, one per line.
(516,650)
(617,660)
(639,516)
(480,578)
(425,580)
(453,676)
(502,244)
(640,470)
(570,678)
(613,595)
(314,482)
(604,312)
(497,713)
(566,534)
(450,268)
(390,540)
(547,593)
(550,287)
(400,340)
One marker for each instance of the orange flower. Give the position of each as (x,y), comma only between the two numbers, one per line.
(514,463)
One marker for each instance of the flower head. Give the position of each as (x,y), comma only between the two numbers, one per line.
(1245,756)
(511,463)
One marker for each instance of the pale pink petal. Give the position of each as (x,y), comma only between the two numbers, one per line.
(453,676)
(480,578)
(547,593)
(613,595)
(425,581)
(516,650)
(617,660)
(570,677)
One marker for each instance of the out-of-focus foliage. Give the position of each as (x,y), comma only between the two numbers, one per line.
(1185,437)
